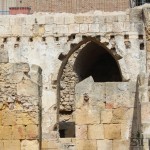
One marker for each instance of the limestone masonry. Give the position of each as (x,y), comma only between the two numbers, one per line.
(75,81)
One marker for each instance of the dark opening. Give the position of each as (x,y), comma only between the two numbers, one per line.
(93,60)
(67,129)
(141,2)
(141,46)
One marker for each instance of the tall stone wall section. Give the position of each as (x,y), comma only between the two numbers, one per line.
(29,41)
(19,106)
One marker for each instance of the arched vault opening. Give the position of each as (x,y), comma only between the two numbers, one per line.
(93,60)
(87,58)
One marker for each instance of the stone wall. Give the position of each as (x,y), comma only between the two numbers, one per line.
(52,42)
(19,106)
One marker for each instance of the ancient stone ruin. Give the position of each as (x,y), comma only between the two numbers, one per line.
(75,81)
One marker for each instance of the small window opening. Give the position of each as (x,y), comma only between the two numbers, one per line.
(112,37)
(126,36)
(43,39)
(67,129)
(4,40)
(18,39)
(56,38)
(30,39)
(141,46)
(140,37)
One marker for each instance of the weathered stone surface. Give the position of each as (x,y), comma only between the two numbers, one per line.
(81,131)
(95,132)
(6,132)
(18,132)
(39,39)
(86,116)
(118,144)
(12,144)
(32,132)
(4,56)
(112,131)
(86,144)
(9,118)
(106,116)
(104,145)
(27,88)
(49,144)
(145,112)
(29,145)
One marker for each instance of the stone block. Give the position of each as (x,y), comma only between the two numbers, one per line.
(81,131)
(73,28)
(121,145)
(99,19)
(88,19)
(106,116)
(119,115)
(95,131)
(27,30)
(26,119)
(94,28)
(16,30)
(146,130)
(4,56)
(118,27)
(49,144)
(18,132)
(62,29)
(136,15)
(79,19)
(148,46)
(1,145)
(83,28)
(30,20)
(86,116)
(112,131)
(6,132)
(69,19)
(104,144)
(59,19)
(28,88)
(121,18)
(1,130)
(8,118)
(29,145)
(12,145)
(145,112)
(40,19)
(0,118)
(32,132)
(86,144)
(49,19)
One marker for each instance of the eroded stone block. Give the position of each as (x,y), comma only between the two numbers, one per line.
(112,131)
(29,145)
(95,131)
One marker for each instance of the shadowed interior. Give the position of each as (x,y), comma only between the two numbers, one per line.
(93,60)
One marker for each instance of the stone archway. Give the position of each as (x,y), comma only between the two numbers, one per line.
(88,58)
